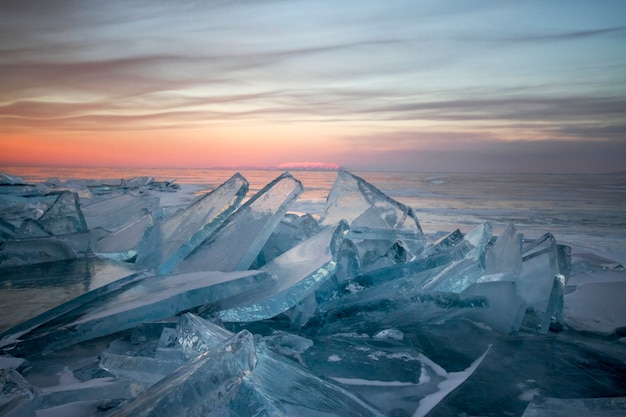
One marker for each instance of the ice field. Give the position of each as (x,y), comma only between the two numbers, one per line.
(263,293)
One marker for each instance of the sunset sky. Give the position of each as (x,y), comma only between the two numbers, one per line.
(483,85)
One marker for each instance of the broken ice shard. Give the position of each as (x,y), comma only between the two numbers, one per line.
(291,230)
(296,274)
(276,386)
(152,298)
(64,216)
(505,255)
(237,242)
(121,245)
(397,304)
(203,385)
(362,205)
(114,212)
(175,237)
(537,282)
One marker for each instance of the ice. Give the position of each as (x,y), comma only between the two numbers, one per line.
(505,310)
(33,251)
(205,384)
(580,407)
(537,281)
(114,212)
(295,274)
(244,233)
(505,255)
(17,394)
(64,216)
(174,238)
(151,298)
(362,205)
(259,394)
(451,382)
(291,230)
(359,313)
(122,244)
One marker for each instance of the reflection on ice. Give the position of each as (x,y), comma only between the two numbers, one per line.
(226,308)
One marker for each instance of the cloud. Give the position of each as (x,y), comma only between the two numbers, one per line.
(309,166)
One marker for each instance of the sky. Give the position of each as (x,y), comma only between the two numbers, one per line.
(476,86)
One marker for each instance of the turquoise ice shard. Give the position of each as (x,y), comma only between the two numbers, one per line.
(295,274)
(203,385)
(196,335)
(362,205)
(239,239)
(171,240)
(64,216)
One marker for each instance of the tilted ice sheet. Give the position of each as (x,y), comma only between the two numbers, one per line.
(152,298)
(245,232)
(172,239)
(295,275)
(114,212)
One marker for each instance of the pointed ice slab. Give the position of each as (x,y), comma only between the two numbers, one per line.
(152,298)
(362,205)
(203,385)
(64,216)
(237,242)
(505,255)
(172,239)
(536,282)
(296,274)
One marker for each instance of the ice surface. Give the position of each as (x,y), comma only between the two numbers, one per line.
(175,237)
(244,233)
(580,407)
(362,318)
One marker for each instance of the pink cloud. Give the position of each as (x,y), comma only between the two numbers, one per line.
(312,166)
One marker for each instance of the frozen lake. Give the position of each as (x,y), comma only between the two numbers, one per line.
(416,368)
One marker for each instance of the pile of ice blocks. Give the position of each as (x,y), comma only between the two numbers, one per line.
(243,309)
